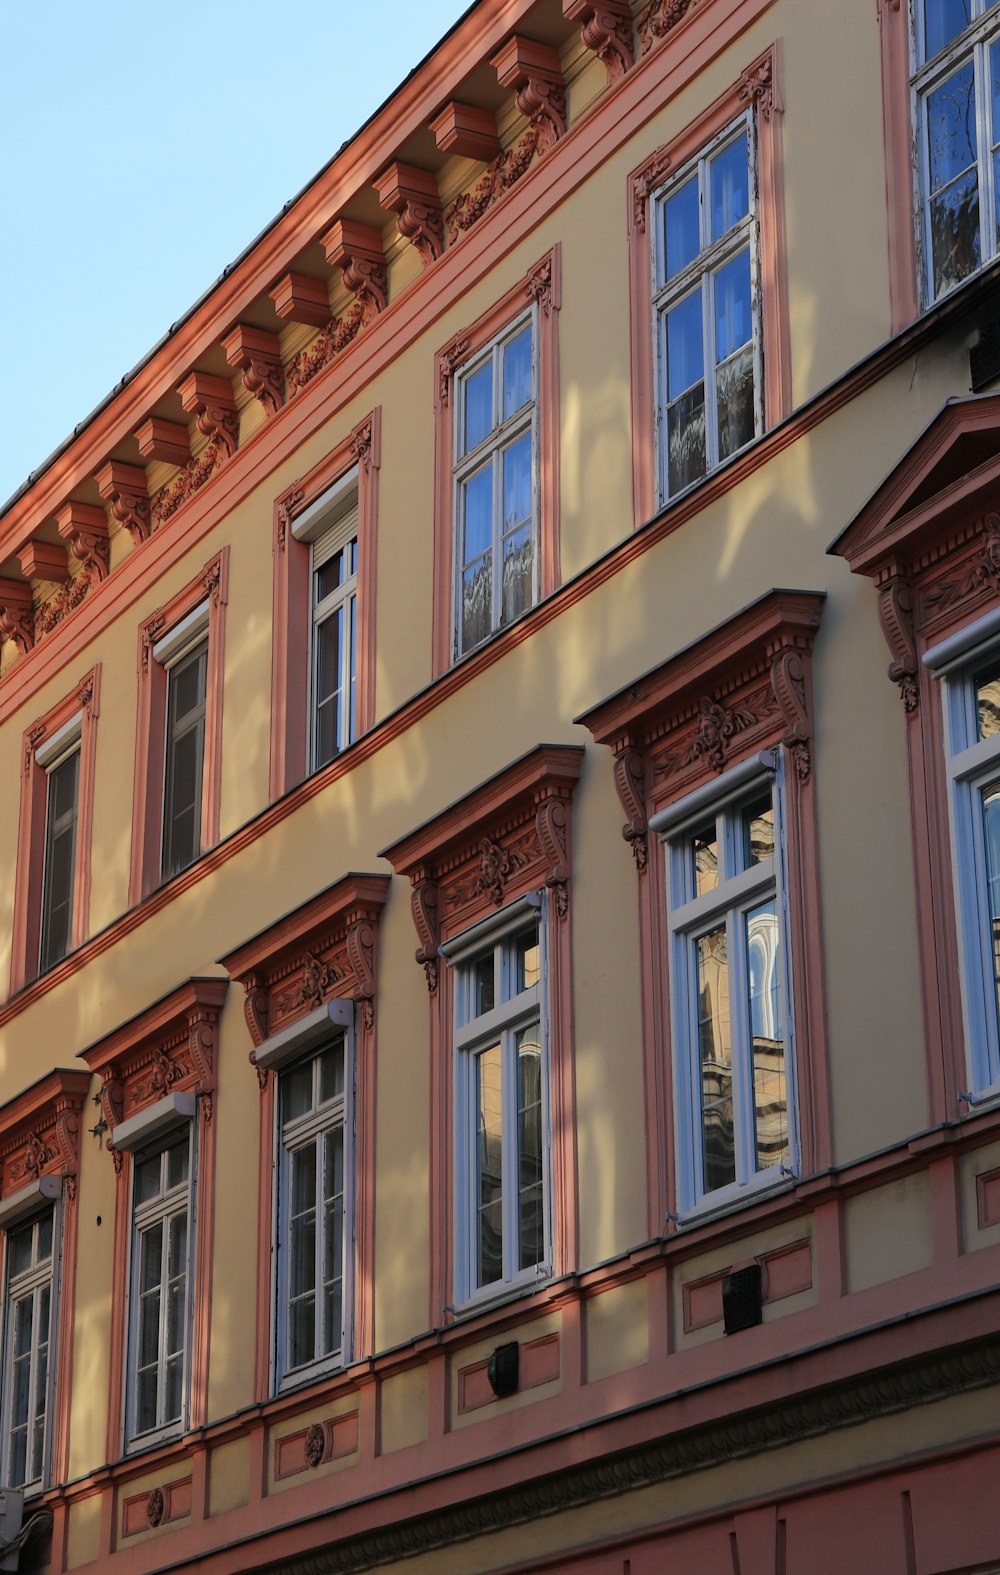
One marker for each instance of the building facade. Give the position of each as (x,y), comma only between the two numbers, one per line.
(500,1037)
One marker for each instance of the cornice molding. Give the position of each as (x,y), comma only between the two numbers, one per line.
(850,1404)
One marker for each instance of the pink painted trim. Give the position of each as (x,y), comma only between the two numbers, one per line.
(759,88)
(204,1202)
(894,39)
(119,1311)
(85,701)
(211,585)
(265,1240)
(542,284)
(290,601)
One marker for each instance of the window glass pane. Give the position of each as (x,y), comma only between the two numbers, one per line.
(735,402)
(173,1386)
(518,561)
(477,405)
(680,227)
(477,602)
(331,1072)
(758,831)
(730,186)
(733,321)
(991,834)
(329,686)
(530,1202)
(951,127)
(686,460)
(517,390)
(685,348)
(146,1400)
(955,233)
(517,482)
(23,1314)
(476,496)
(19,1249)
(296,1091)
(987,686)
(526,958)
(43,1240)
(705,859)
(943,21)
(177,1164)
(770,1094)
(954,208)
(483,984)
(60,857)
(150,1257)
(489,1167)
(716,1058)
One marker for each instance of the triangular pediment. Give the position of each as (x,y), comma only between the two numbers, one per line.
(951,468)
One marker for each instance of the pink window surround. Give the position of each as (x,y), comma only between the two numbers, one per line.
(758,89)
(505,838)
(291,621)
(328,947)
(170,1047)
(743,688)
(211,585)
(929,540)
(894,39)
(40,1136)
(542,284)
(83,701)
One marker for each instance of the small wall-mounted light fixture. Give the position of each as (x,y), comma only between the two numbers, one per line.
(503,1369)
(743,1298)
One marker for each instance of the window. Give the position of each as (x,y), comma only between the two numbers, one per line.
(956,90)
(973,725)
(52,887)
(323,654)
(502,1173)
(28,1337)
(185,758)
(160,1276)
(708,298)
(178,764)
(728,972)
(710,393)
(496,511)
(62,797)
(330,528)
(313,1210)
(496,546)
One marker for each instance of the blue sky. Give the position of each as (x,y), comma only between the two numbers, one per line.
(142,148)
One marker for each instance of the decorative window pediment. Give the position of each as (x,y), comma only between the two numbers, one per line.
(326,948)
(743,687)
(169,1048)
(929,537)
(40,1132)
(508,836)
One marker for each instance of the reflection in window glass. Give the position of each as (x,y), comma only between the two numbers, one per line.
(496,525)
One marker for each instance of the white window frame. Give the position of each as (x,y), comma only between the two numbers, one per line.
(468,1036)
(500,437)
(311,1128)
(181,642)
(29,1282)
(712,256)
(50,755)
(972,765)
(326,527)
(926,75)
(688,917)
(165,1206)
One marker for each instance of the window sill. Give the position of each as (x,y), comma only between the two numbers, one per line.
(748,1197)
(510,1291)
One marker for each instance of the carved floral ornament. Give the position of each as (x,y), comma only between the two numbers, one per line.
(745,687)
(170,1046)
(508,837)
(40,1132)
(328,947)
